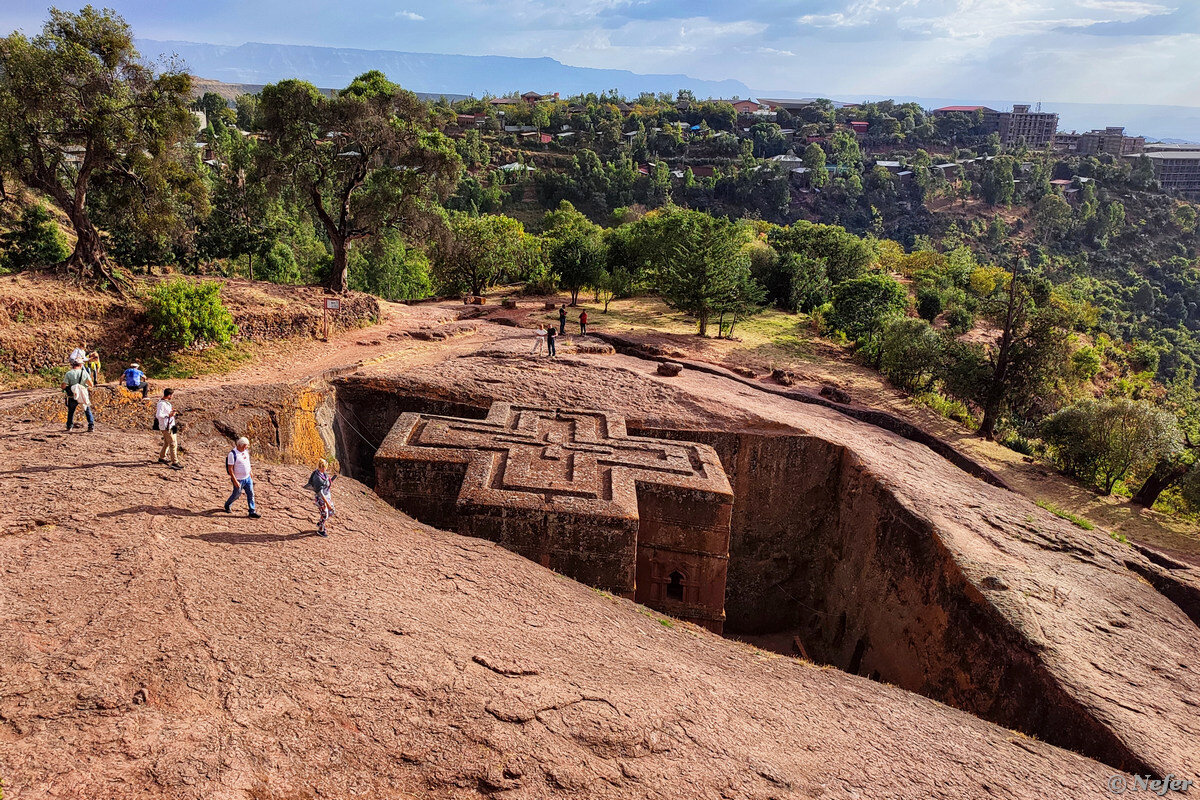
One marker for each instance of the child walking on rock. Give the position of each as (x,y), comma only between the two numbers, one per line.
(321,482)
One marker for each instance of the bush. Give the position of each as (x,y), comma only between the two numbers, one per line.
(34,241)
(950,409)
(541,282)
(910,352)
(184,313)
(1085,363)
(1016,442)
(929,303)
(861,305)
(959,320)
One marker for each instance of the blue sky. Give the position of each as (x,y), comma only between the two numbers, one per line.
(1098,51)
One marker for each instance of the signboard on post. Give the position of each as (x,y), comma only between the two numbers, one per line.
(331,304)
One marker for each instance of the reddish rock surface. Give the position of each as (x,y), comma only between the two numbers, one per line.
(154,647)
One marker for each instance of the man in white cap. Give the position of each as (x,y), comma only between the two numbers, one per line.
(237,464)
(135,379)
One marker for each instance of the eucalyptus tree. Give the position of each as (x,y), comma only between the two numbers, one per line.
(80,107)
(367,160)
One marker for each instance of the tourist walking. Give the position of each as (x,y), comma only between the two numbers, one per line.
(164,420)
(135,379)
(75,384)
(237,464)
(540,340)
(93,366)
(582,322)
(550,336)
(321,482)
(562,320)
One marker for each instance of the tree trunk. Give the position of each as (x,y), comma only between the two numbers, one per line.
(88,256)
(339,275)
(574,297)
(704,325)
(1165,475)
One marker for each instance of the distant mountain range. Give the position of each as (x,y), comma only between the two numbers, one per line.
(431,73)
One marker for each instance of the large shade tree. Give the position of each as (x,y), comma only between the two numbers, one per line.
(79,106)
(367,160)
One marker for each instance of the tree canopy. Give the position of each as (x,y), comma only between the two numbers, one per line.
(366,160)
(79,105)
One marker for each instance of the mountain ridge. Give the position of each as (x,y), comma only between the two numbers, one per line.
(434,73)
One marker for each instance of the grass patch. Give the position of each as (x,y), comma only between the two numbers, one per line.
(44,378)
(1080,521)
(768,336)
(950,409)
(217,360)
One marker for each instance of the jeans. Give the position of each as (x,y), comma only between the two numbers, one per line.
(562,326)
(550,345)
(248,487)
(142,387)
(582,328)
(72,404)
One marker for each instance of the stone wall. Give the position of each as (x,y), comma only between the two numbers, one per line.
(640,518)
(821,549)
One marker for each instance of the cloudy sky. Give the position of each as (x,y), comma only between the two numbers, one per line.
(1098,51)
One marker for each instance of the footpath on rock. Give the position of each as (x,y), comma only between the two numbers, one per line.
(154,646)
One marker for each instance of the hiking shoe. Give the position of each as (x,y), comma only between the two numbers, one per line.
(227,508)
(254,515)
(323,534)
(163,461)
(177,466)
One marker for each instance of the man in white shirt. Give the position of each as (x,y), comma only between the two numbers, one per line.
(164,415)
(237,464)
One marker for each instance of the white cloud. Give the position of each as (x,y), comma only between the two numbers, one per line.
(409,15)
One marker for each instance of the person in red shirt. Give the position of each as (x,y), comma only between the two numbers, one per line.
(582,323)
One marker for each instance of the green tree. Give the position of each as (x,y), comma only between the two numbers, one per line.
(861,306)
(78,104)
(1051,217)
(845,255)
(1032,352)
(700,262)
(910,353)
(34,241)
(996,181)
(814,162)
(390,269)
(481,251)
(1102,441)
(367,160)
(579,260)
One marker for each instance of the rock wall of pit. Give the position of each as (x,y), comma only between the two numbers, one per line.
(821,549)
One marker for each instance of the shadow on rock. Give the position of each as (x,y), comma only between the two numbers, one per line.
(230,537)
(160,511)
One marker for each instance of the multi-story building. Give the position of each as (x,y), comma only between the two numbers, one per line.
(1176,170)
(1022,126)
(1111,140)
(1170,147)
